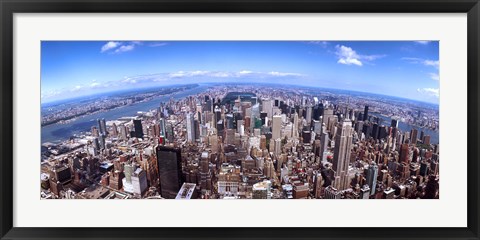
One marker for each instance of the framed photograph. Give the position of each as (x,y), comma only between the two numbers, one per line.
(239,119)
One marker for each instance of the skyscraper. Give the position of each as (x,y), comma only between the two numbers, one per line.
(371,174)
(341,157)
(295,125)
(137,124)
(162,127)
(317,127)
(324,145)
(123,132)
(365,114)
(308,116)
(170,170)
(128,170)
(102,126)
(205,174)
(190,127)
(114,130)
(276,126)
(394,123)
(139,181)
(267,106)
(413,136)
(404,153)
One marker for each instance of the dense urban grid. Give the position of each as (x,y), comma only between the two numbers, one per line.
(241,141)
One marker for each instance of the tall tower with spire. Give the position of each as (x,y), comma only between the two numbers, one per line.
(341,154)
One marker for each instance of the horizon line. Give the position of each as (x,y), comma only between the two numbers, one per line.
(253,83)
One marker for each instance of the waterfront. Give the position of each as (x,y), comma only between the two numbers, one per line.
(405,127)
(56,133)
(60,132)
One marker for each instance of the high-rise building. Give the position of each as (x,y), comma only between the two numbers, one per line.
(137,124)
(169,132)
(365,113)
(327,114)
(404,153)
(341,157)
(276,126)
(170,170)
(318,111)
(318,185)
(229,121)
(123,132)
(323,146)
(308,116)
(162,127)
(205,174)
(95,132)
(263,116)
(102,126)
(114,130)
(278,146)
(102,141)
(263,142)
(426,139)
(267,106)
(139,181)
(295,125)
(394,123)
(413,136)
(317,127)
(190,127)
(371,174)
(218,114)
(307,136)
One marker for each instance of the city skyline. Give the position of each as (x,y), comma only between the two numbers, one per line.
(240,120)
(240,141)
(410,68)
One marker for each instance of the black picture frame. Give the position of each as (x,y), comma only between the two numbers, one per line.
(9,7)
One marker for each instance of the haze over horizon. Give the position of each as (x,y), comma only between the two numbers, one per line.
(406,69)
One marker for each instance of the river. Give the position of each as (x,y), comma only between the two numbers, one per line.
(59,132)
(405,127)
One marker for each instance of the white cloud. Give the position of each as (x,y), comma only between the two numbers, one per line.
(432,92)
(76,88)
(371,57)
(426,62)
(432,63)
(423,42)
(119,47)
(348,56)
(159,44)
(220,74)
(434,76)
(198,73)
(282,74)
(245,72)
(125,48)
(110,45)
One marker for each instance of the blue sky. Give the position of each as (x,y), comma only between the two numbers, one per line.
(408,69)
